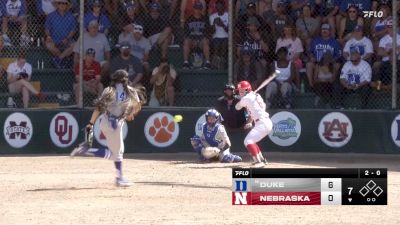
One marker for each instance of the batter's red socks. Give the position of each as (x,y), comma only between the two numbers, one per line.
(255,152)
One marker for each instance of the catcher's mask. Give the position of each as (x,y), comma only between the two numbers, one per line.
(213,113)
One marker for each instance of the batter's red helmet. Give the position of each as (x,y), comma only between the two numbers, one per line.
(244,85)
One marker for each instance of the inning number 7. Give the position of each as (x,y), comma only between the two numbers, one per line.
(350,189)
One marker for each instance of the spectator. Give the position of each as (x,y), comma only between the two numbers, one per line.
(97,14)
(307,26)
(324,78)
(241,25)
(91,75)
(97,41)
(254,40)
(242,7)
(233,119)
(140,47)
(128,62)
(18,76)
(384,68)
(326,11)
(348,24)
(60,31)
(293,44)
(378,28)
(45,7)
(354,79)
(278,21)
(129,19)
(14,14)
(196,35)
(344,6)
(248,68)
(219,29)
(320,46)
(212,6)
(284,83)
(361,43)
(157,28)
(296,7)
(162,79)
(167,8)
(188,9)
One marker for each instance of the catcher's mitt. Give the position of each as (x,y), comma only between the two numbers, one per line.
(89,136)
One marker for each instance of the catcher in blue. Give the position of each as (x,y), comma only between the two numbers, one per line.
(213,143)
(118,102)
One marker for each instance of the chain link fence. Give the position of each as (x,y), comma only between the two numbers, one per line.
(328,53)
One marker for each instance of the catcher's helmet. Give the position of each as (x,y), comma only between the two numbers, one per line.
(214,113)
(244,85)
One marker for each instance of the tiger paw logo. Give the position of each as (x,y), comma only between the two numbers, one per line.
(161,130)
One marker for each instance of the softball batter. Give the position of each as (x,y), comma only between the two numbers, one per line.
(117,103)
(255,106)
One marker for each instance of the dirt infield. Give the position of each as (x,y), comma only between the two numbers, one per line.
(169,189)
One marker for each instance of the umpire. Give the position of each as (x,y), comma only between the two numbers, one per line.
(233,119)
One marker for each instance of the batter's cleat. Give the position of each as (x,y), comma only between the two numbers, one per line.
(121,182)
(80,150)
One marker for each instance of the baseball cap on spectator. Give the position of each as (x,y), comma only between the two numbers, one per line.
(124,45)
(251,5)
(354,51)
(138,28)
(253,21)
(93,23)
(130,4)
(325,26)
(90,51)
(281,3)
(358,28)
(97,3)
(198,5)
(155,6)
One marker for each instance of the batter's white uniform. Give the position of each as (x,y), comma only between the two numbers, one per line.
(256,109)
(111,123)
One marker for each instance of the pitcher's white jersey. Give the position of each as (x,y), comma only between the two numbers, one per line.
(254,104)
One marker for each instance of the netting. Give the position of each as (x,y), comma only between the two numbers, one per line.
(328,53)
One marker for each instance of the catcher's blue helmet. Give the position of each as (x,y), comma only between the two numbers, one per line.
(214,113)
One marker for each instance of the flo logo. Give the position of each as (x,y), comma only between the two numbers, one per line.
(161,130)
(63,129)
(335,129)
(286,130)
(18,130)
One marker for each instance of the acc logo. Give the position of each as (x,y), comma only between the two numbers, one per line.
(396,130)
(161,130)
(100,137)
(286,130)
(199,124)
(63,129)
(18,130)
(335,129)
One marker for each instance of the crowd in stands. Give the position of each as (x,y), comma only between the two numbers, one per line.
(327,45)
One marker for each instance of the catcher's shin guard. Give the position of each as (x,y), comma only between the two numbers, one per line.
(197,146)
(229,158)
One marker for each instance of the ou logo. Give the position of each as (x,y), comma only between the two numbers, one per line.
(63,130)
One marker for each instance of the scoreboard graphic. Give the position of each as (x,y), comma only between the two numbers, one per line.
(347,186)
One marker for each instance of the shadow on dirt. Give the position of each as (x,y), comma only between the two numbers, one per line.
(182,185)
